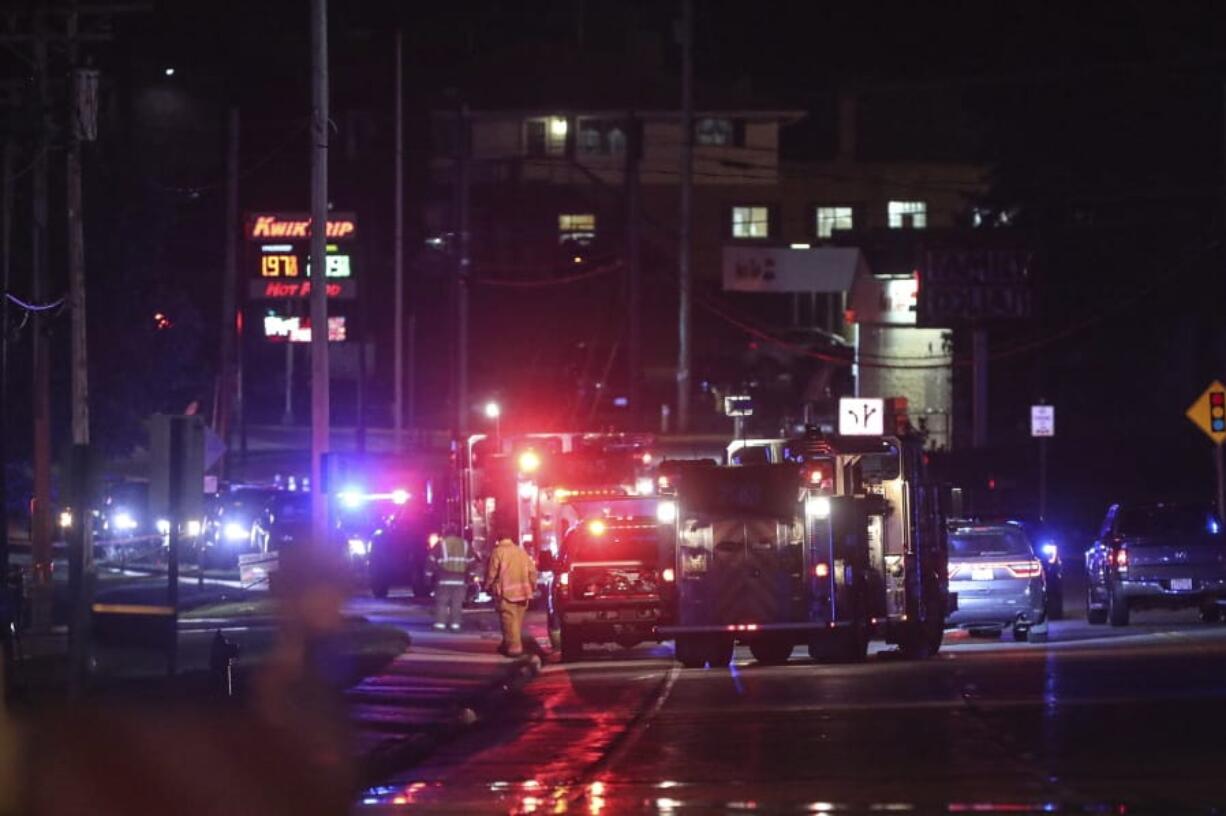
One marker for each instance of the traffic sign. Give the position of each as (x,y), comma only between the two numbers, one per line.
(738,405)
(860,416)
(1042,420)
(1209,412)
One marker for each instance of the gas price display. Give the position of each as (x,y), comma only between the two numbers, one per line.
(280,244)
(280,261)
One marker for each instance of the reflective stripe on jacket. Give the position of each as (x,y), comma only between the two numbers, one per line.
(512,573)
(450,557)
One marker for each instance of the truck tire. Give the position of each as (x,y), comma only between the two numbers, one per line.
(1118,613)
(571,645)
(1211,613)
(421,585)
(923,640)
(1095,617)
(689,652)
(770,651)
(379,587)
(719,650)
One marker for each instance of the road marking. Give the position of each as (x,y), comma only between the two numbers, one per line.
(132,609)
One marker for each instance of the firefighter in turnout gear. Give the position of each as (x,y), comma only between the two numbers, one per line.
(511,579)
(450,560)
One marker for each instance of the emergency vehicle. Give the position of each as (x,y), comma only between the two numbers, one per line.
(532,486)
(842,542)
(612,579)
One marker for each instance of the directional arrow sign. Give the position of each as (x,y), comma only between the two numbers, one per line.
(1209,412)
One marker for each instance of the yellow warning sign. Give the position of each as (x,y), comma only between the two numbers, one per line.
(1209,412)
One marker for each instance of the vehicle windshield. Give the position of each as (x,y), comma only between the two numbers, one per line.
(642,546)
(296,507)
(246,502)
(1158,521)
(989,543)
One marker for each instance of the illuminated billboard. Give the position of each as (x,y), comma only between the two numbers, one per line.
(282,328)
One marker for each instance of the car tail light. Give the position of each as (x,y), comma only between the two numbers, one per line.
(564,579)
(821,570)
(1121,560)
(1025,569)
(668,575)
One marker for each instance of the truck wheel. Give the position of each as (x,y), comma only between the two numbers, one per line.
(852,645)
(1117,609)
(1211,613)
(770,651)
(379,587)
(1094,616)
(421,585)
(688,651)
(923,640)
(719,651)
(572,646)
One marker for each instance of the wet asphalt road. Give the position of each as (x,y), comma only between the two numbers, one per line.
(1097,720)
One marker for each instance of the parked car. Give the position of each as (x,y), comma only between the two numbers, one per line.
(1156,556)
(998,578)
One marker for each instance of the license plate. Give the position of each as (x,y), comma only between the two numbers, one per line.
(1178,584)
(982,573)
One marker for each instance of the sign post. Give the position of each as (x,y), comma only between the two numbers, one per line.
(1042,428)
(1209,414)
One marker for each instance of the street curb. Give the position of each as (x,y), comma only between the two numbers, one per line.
(470,711)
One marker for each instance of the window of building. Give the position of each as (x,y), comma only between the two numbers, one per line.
(545,136)
(830,219)
(719,131)
(751,222)
(601,137)
(576,228)
(908,214)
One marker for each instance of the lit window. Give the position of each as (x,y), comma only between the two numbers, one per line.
(601,137)
(545,136)
(908,214)
(751,222)
(830,219)
(578,228)
(712,131)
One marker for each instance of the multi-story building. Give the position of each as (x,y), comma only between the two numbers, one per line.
(553,194)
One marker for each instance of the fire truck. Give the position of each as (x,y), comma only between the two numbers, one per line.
(840,541)
(534,487)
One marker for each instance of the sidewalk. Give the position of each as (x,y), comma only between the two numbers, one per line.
(446,683)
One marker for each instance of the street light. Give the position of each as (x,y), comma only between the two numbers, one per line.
(494,411)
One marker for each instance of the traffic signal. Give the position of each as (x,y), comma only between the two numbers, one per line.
(1217,411)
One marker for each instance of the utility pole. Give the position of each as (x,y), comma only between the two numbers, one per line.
(462,273)
(40,522)
(398,250)
(320,374)
(634,361)
(6,235)
(687,192)
(229,286)
(82,127)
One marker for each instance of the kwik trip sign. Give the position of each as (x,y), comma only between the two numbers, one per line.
(282,243)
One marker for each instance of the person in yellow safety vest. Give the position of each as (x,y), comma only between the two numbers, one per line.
(511,579)
(450,560)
